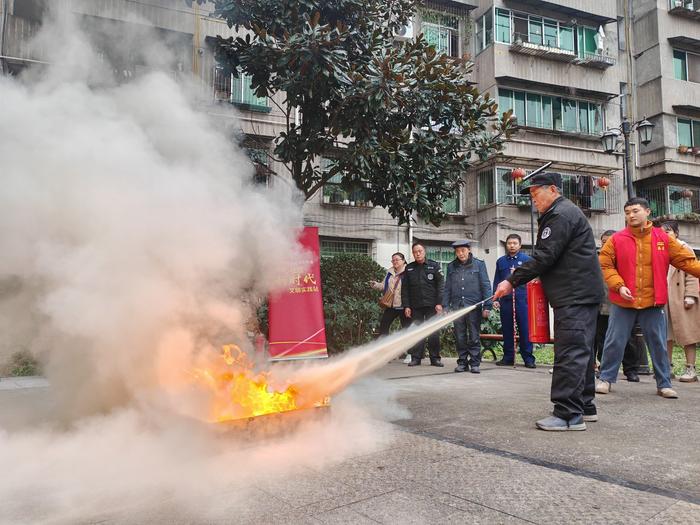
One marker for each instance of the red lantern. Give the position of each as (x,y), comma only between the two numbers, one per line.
(603,183)
(518,174)
(687,194)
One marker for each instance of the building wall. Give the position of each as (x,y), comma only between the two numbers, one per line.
(655,94)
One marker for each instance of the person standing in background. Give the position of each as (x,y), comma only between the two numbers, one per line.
(421,296)
(683,311)
(467,283)
(392,282)
(512,313)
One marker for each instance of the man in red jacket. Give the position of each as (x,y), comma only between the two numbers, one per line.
(635,267)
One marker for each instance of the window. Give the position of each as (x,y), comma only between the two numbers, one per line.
(335,192)
(505,100)
(486,189)
(237,91)
(672,199)
(261,160)
(534,110)
(508,189)
(503,30)
(484,31)
(512,26)
(535,30)
(686,66)
(442,254)
(442,32)
(547,112)
(688,132)
(680,71)
(331,247)
(621,42)
(587,44)
(566,38)
(453,204)
(242,94)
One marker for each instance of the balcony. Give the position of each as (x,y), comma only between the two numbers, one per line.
(673,201)
(686,8)
(533,45)
(596,60)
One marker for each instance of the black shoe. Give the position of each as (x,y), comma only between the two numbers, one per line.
(475,369)
(462,368)
(436,362)
(503,363)
(414,362)
(530,365)
(632,376)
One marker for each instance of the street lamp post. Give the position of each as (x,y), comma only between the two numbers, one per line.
(610,141)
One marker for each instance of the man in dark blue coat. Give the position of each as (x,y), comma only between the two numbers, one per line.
(506,265)
(467,283)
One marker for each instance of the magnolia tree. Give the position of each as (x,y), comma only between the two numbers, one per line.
(398,119)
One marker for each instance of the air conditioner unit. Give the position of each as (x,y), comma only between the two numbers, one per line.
(406,32)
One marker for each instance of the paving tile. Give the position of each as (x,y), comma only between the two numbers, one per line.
(399,507)
(679,512)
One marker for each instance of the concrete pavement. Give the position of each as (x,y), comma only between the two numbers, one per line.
(470,453)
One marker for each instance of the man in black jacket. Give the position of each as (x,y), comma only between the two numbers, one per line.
(566,261)
(421,295)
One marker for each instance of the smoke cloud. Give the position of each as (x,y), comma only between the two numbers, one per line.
(134,244)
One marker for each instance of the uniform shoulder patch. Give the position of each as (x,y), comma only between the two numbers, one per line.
(546,233)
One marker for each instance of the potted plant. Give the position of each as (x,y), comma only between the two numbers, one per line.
(696,150)
(682,149)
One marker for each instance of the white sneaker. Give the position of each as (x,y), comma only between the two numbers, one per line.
(668,393)
(689,376)
(407,359)
(602,387)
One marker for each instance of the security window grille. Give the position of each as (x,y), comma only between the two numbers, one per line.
(335,193)
(487,194)
(442,32)
(237,90)
(453,204)
(582,190)
(547,112)
(671,199)
(329,247)
(442,254)
(261,160)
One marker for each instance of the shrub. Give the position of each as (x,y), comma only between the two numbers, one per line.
(350,304)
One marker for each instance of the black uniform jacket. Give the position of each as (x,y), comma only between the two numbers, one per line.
(422,285)
(565,258)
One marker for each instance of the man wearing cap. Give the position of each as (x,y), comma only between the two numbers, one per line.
(566,262)
(467,283)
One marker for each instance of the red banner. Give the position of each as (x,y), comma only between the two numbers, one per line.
(297,325)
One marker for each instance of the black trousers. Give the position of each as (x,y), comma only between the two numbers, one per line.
(418,315)
(388,317)
(467,337)
(631,359)
(573,380)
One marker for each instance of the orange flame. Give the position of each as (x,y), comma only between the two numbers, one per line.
(239,392)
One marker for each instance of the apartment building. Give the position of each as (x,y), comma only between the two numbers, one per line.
(667,77)
(563,67)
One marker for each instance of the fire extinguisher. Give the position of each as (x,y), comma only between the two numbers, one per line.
(538,312)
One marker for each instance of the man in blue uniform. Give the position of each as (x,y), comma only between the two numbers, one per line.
(506,265)
(467,283)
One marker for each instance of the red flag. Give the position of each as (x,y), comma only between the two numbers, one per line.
(297,325)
